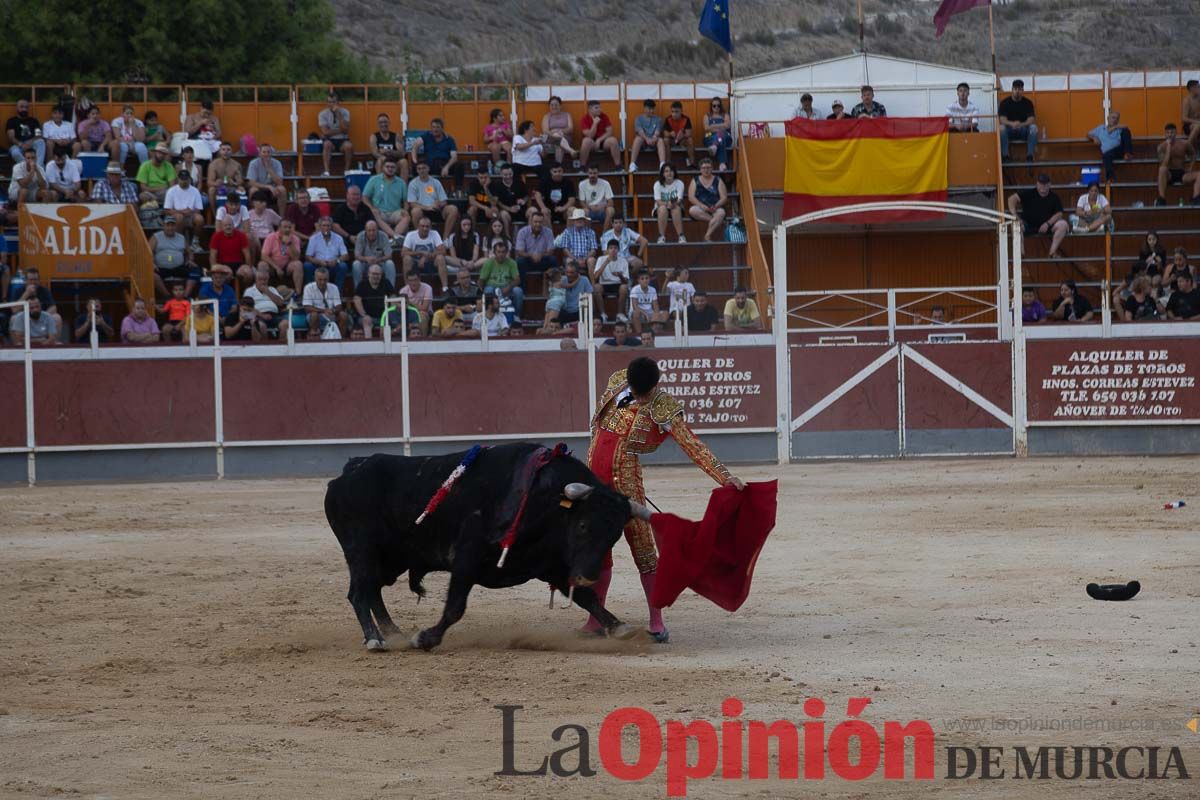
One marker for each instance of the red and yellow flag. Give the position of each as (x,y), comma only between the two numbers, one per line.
(840,162)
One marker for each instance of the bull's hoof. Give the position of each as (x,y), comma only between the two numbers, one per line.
(422,640)
(376,645)
(622,631)
(660,637)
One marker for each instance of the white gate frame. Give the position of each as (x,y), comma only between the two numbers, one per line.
(1008,298)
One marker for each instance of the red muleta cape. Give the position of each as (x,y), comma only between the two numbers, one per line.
(715,557)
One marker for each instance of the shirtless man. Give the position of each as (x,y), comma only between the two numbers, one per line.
(1190,113)
(1173,156)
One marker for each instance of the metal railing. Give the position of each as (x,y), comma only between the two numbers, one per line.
(892,310)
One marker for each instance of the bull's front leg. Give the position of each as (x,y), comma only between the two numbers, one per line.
(587,599)
(456,605)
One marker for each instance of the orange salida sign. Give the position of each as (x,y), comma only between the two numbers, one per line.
(77,241)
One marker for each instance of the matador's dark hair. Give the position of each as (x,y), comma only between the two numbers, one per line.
(642,374)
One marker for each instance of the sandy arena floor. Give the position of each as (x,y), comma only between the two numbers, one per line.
(179,641)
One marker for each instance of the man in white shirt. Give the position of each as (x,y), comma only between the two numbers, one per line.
(611,277)
(963,114)
(59,135)
(62,173)
(268,302)
(424,251)
(29,183)
(185,203)
(596,197)
(805,110)
(627,239)
(323,304)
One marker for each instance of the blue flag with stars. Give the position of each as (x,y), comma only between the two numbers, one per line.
(714,23)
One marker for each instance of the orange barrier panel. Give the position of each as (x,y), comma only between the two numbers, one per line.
(857,260)
(264,111)
(41,100)
(1163,105)
(311,100)
(1132,105)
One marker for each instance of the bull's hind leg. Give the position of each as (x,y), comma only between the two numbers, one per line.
(362,594)
(381,613)
(456,606)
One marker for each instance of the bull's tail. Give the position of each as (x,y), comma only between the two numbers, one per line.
(415,583)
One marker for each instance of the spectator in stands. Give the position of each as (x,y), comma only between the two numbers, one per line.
(370,298)
(420,298)
(511,197)
(440,153)
(579,241)
(718,137)
(1152,255)
(66,183)
(43,327)
(963,114)
(497,323)
(385,144)
(25,133)
(139,327)
(556,295)
(1042,212)
(527,150)
(233,210)
(679,291)
(708,198)
(243,324)
(621,339)
(701,317)
(677,130)
(129,133)
(498,137)
(185,205)
(1174,155)
(500,276)
(1141,304)
(937,315)
(596,198)
(269,305)
(465,292)
(1184,302)
(598,134)
(1189,113)
(1017,121)
(481,203)
(643,304)
(95,134)
(303,215)
(424,252)
(187,163)
(230,247)
(173,259)
(326,249)
(114,188)
(202,319)
(559,129)
(627,239)
(265,174)
(535,246)
(322,299)
(177,309)
(1032,309)
(556,196)
(427,199)
(224,174)
(1177,266)
(60,135)
(334,124)
(262,222)
(1115,142)
(838,111)
(1070,305)
(868,107)
(805,110)
(668,203)
(29,182)
(448,320)
(385,195)
(1093,210)
(372,248)
(156,176)
(495,234)
(611,277)
(648,132)
(156,132)
(282,256)
(741,313)
(462,248)
(83,323)
(204,126)
(577,286)
(351,217)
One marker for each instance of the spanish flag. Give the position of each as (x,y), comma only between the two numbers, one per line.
(841,162)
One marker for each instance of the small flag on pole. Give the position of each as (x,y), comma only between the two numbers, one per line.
(714,23)
(949,8)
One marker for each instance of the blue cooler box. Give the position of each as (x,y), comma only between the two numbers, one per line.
(1089,175)
(357,177)
(312,147)
(92,165)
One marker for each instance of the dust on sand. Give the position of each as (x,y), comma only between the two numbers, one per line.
(195,641)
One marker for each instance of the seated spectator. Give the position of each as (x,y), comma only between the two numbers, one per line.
(1070,305)
(598,134)
(579,241)
(1093,210)
(139,327)
(1152,255)
(555,196)
(1174,154)
(230,247)
(498,137)
(868,107)
(496,233)
(156,176)
(385,195)
(1141,303)
(741,313)
(462,248)
(627,239)
(677,130)
(424,252)
(265,174)
(224,175)
(95,134)
(838,111)
(527,150)
(387,145)
(481,203)
(647,338)
(1032,309)
(60,135)
(283,257)
(466,293)
(559,130)
(202,319)
(708,197)
(420,298)
(648,129)
(103,323)
(33,288)
(805,110)
(185,205)
(243,324)
(1115,142)
(203,126)
(535,246)
(1041,210)
(576,286)
(219,289)
(29,182)
(1184,302)
(156,132)
(177,309)
(370,299)
(937,315)
(371,249)
(188,163)
(25,133)
(701,317)
(556,295)
(351,218)
(1176,267)
(512,198)
(596,198)
(129,133)
(963,114)
(233,210)
(1189,113)
(334,123)
(327,249)
(303,215)
(643,303)
(322,300)
(448,321)
(668,203)
(1017,121)
(173,260)
(270,307)
(43,327)
(717,136)
(497,323)
(611,278)
(440,153)
(501,277)
(621,339)
(427,199)
(680,291)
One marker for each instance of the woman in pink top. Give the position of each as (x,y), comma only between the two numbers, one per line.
(497,135)
(281,255)
(262,220)
(558,128)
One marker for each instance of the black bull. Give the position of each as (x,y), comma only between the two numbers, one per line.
(373,506)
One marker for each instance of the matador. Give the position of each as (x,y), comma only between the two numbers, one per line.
(634,416)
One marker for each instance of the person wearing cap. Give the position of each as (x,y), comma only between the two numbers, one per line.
(156,175)
(184,203)
(224,174)
(868,107)
(579,241)
(1017,121)
(839,111)
(805,110)
(1042,212)
(172,259)
(114,188)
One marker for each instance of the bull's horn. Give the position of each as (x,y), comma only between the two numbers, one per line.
(638,510)
(578,491)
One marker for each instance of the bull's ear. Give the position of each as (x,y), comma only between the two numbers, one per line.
(578,491)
